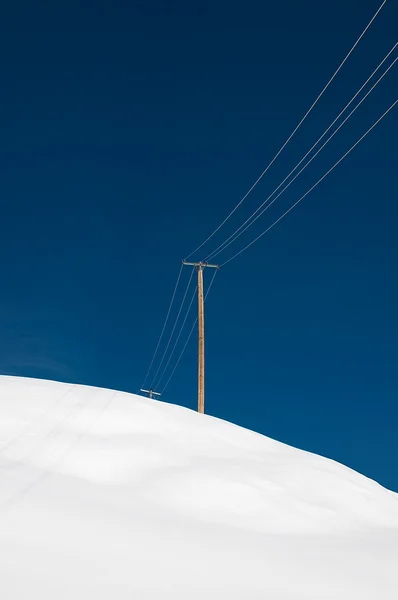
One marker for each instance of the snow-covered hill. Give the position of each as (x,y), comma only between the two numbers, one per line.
(107,495)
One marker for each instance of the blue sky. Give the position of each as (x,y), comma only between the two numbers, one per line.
(129,131)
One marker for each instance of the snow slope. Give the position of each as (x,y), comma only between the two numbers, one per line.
(107,495)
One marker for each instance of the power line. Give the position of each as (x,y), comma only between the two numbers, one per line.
(164,325)
(189,336)
(292,134)
(238,232)
(314,186)
(172,331)
(177,339)
(225,244)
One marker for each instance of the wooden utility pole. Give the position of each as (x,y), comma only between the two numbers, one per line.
(150,393)
(201,332)
(201,345)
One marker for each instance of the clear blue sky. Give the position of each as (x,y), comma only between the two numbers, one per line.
(128,131)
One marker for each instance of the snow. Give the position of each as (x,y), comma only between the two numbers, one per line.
(109,495)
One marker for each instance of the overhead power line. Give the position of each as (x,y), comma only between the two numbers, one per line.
(189,336)
(177,339)
(172,331)
(164,326)
(292,134)
(314,186)
(250,220)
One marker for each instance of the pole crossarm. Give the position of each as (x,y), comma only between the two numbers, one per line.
(150,392)
(200,264)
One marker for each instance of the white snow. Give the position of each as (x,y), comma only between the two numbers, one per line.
(107,495)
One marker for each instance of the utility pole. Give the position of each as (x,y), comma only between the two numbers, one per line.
(199,266)
(150,392)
